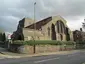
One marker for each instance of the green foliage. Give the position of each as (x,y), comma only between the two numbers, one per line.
(69,42)
(83,24)
(81,42)
(43,42)
(2,37)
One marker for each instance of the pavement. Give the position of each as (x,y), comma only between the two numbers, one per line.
(59,57)
(6,54)
(75,57)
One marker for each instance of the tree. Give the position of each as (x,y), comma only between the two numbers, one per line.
(3,37)
(83,24)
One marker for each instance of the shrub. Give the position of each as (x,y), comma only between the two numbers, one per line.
(2,37)
(69,42)
(43,42)
(80,42)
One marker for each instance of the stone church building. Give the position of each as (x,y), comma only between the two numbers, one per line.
(51,28)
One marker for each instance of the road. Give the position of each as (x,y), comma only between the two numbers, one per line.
(73,58)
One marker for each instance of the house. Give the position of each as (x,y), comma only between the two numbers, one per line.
(51,28)
(79,35)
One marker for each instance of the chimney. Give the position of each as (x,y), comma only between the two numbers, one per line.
(81,29)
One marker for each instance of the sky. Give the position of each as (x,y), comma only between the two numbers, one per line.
(11,11)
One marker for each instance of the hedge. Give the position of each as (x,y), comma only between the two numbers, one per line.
(44,42)
(80,42)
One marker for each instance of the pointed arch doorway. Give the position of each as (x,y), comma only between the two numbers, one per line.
(53,33)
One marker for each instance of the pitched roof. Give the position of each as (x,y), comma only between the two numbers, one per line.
(41,23)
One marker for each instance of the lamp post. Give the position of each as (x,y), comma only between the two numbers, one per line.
(34,17)
(34,26)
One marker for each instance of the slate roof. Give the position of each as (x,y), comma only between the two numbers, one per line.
(39,24)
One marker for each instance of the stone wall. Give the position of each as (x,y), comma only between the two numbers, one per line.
(26,49)
(40,48)
(29,34)
(46,48)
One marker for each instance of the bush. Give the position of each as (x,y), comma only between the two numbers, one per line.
(81,42)
(69,42)
(44,42)
(2,37)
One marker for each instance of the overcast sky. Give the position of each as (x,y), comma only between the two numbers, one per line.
(11,11)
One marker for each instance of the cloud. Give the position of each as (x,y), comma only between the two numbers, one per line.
(11,11)
(75,25)
(9,23)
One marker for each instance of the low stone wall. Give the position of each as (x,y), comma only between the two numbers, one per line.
(26,49)
(40,48)
(46,48)
(14,47)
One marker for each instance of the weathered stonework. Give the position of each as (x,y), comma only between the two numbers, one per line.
(51,28)
(28,49)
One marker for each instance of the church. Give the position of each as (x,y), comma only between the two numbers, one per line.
(50,28)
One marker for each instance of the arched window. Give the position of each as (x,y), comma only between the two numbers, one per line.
(48,31)
(61,37)
(53,33)
(60,26)
(57,26)
(67,34)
